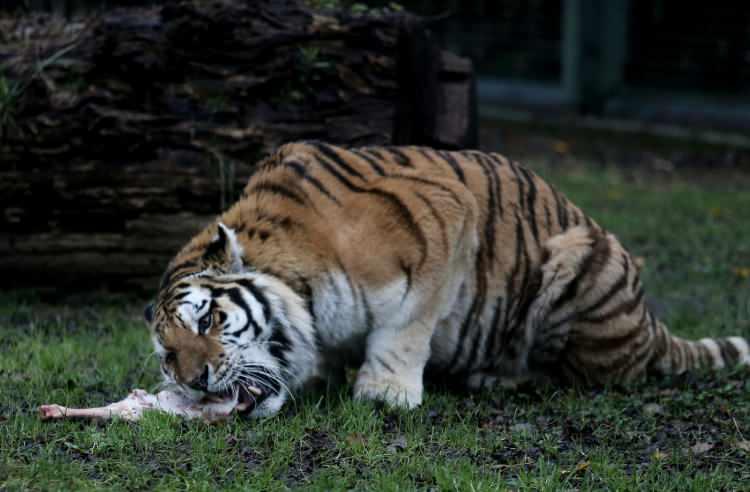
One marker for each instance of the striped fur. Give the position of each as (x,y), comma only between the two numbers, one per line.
(397,260)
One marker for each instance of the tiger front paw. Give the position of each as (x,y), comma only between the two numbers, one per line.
(388,390)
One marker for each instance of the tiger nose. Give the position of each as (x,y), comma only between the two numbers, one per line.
(201,382)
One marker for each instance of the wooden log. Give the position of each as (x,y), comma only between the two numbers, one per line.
(127,132)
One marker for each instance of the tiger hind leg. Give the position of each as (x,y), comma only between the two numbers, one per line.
(599,329)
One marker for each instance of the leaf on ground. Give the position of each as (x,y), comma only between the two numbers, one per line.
(522,428)
(742,272)
(701,447)
(561,147)
(652,409)
(658,455)
(355,438)
(76,448)
(398,444)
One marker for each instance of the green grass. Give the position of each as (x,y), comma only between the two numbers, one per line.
(695,243)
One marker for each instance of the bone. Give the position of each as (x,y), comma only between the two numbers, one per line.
(133,407)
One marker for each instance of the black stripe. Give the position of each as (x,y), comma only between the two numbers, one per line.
(547,218)
(624,308)
(521,252)
(475,311)
(438,218)
(369,316)
(603,344)
(631,357)
(302,172)
(576,217)
(278,190)
(426,154)
(448,158)
(373,164)
(307,294)
(471,360)
(635,283)
(399,157)
(497,159)
(492,331)
(521,186)
(384,364)
(510,286)
(259,295)
(521,307)
(235,295)
(531,200)
(375,153)
(562,212)
(429,182)
(279,344)
(180,296)
(598,248)
(182,323)
(166,279)
(662,338)
(398,358)
(529,292)
(640,353)
(462,334)
(498,181)
(402,210)
(489,225)
(613,290)
(408,273)
(729,352)
(334,157)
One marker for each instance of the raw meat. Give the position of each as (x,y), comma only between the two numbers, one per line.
(139,401)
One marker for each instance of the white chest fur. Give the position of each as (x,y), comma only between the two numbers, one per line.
(346,313)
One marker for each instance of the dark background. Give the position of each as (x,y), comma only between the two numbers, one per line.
(669,61)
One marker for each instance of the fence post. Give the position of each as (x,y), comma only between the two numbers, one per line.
(594,50)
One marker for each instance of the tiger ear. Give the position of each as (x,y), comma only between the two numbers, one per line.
(225,250)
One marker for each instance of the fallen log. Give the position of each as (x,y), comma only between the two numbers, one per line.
(122,134)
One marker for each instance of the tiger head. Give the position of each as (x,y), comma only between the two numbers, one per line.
(223,330)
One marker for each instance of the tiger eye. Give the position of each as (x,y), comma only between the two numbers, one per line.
(204,323)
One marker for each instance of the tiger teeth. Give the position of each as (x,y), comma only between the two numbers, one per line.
(254,390)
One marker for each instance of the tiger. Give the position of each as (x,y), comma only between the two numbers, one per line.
(406,264)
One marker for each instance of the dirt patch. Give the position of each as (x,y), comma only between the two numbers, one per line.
(314,450)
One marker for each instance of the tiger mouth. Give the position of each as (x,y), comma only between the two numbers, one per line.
(248,397)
